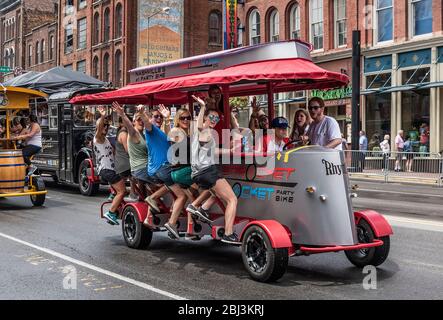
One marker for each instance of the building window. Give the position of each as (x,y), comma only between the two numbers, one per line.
(119,21)
(95,69)
(42,51)
(215,28)
(107,26)
(294,22)
(316,17)
(69,38)
(82,4)
(385,20)
(274,26)
(340,23)
(254,27)
(240,32)
(6,58)
(12,58)
(81,66)
(118,69)
(96,28)
(81,33)
(421,17)
(30,55)
(52,48)
(37,53)
(69,66)
(69,7)
(106,75)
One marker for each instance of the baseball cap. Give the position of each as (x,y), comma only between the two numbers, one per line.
(280,122)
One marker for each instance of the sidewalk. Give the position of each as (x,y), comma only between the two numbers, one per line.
(400,188)
(417,178)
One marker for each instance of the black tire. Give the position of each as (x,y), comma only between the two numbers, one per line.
(87,188)
(38,200)
(136,235)
(264,263)
(372,256)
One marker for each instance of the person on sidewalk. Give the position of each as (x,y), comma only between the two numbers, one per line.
(386,149)
(363,147)
(409,154)
(399,145)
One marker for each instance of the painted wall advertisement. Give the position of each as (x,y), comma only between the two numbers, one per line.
(160,35)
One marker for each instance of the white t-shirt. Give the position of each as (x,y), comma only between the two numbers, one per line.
(325,131)
(384,145)
(274,147)
(104,155)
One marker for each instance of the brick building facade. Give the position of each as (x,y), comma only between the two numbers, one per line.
(402,44)
(18,21)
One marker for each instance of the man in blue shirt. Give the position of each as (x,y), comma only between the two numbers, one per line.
(159,167)
(363,147)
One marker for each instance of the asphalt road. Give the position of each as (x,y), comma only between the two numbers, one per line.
(44,250)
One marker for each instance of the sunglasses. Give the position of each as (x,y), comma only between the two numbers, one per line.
(214,118)
(185,118)
(158,116)
(314,107)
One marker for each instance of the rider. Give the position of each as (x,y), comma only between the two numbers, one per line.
(204,169)
(106,166)
(159,167)
(138,152)
(33,138)
(276,142)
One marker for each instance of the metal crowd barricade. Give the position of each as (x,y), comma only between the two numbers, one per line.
(410,167)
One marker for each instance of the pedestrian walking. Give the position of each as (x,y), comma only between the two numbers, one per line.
(386,149)
(399,144)
(363,147)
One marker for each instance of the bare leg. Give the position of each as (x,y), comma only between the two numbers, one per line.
(120,188)
(202,197)
(178,205)
(224,191)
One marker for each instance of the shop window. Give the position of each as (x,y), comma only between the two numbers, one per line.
(412,76)
(378,117)
(53,117)
(378,80)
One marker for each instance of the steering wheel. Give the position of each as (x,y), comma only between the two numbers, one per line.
(296,144)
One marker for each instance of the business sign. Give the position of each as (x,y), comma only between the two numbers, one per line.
(160,35)
(230,23)
(5,69)
(333,94)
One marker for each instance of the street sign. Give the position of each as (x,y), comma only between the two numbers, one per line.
(5,69)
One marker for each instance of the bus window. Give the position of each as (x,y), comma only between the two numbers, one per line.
(53,117)
(84,116)
(42,114)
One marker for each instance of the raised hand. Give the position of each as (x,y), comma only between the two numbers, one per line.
(118,108)
(102,111)
(199,100)
(164,111)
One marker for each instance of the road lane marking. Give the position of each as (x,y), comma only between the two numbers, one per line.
(410,222)
(95,268)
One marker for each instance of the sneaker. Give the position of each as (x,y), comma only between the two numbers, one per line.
(202,215)
(172,230)
(31,169)
(152,203)
(191,209)
(111,197)
(231,239)
(111,218)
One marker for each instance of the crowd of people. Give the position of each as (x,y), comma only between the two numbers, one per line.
(182,159)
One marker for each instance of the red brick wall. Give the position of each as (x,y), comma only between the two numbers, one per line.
(39,34)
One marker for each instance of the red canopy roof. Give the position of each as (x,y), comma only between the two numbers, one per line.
(245,79)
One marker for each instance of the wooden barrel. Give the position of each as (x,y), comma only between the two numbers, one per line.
(12,171)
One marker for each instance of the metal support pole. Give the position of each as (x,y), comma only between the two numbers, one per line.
(355,88)
(270,89)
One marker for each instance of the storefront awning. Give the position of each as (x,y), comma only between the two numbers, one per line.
(430,85)
(399,88)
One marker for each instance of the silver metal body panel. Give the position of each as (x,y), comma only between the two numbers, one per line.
(281,195)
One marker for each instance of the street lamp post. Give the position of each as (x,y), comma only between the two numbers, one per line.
(164,10)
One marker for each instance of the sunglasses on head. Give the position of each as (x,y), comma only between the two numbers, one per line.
(214,118)
(314,107)
(185,118)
